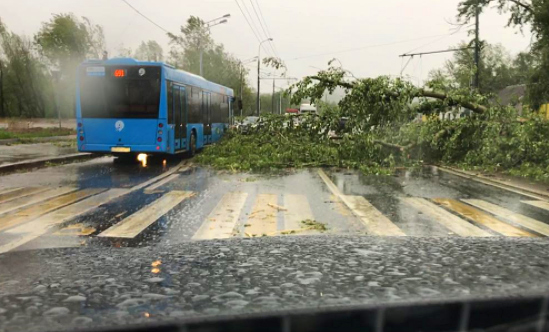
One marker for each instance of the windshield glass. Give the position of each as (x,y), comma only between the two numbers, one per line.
(182,162)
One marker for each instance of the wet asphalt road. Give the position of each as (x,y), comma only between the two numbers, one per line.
(104,203)
(170,241)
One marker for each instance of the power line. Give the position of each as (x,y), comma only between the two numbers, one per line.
(255,27)
(366,47)
(267,27)
(148,19)
(437,52)
(251,28)
(263,28)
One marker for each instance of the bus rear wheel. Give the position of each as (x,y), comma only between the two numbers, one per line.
(192,147)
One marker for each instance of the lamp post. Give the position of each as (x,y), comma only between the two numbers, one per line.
(208,25)
(258,102)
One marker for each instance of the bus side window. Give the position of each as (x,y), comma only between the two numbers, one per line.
(225,110)
(216,104)
(196,103)
(170,102)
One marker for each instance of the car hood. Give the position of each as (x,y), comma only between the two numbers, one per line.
(66,289)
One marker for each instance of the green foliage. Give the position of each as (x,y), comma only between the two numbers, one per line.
(497,69)
(149,51)
(65,41)
(26,89)
(529,14)
(293,141)
(382,131)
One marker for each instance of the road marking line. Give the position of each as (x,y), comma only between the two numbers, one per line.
(482,218)
(32,212)
(450,221)
(298,210)
(8,190)
(23,202)
(178,168)
(496,183)
(221,221)
(38,227)
(150,189)
(262,219)
(376,223)
(136,223)
(530,223)
(540,204)
(20,192)
(340,207)
(76,230)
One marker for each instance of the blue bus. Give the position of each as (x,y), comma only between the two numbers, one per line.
(125,107)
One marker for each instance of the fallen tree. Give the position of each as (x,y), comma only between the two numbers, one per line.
(382,131)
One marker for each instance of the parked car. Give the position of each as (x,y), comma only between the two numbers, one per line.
(246,125)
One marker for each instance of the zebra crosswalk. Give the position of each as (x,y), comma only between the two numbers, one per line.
(27,214)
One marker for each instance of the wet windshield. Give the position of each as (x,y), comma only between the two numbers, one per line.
(180,161)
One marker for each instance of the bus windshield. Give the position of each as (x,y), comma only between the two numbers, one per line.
(119,97)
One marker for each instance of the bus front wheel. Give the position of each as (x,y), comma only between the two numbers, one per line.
(192,148)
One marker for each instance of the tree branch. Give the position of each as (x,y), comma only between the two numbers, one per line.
(394,146)
(340,83)
(523,5)
(421,93)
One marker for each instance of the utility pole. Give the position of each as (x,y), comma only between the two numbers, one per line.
(208,25)
(273,99)
(476,81)
(2,89)
(57,78)
(258,101)
(280,103)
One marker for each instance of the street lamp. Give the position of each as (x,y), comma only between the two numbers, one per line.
(258,102)
(208,26)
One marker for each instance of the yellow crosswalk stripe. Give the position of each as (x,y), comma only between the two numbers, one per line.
(450,221)
(530,223)
(540,204)
(221,221)
(9,195)
(376,223)
(262,219)
(34,211)
(150,189)
(482,218)
(297,209)
(5,190)
(22,202)
(31,230)
(139,221)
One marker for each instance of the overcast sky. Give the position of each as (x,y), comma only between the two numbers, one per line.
(307,33)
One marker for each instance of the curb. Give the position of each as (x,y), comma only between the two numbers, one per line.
(41,162)
(37,139)
(521,190)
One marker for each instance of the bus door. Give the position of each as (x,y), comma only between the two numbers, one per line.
(207,115)
(180,116)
